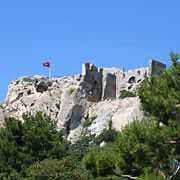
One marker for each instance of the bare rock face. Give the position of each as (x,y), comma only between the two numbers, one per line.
(1,117)
(39,93)
(1,114)
(82,103)
(120,111)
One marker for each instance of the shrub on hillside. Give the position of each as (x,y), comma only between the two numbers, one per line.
(125,94)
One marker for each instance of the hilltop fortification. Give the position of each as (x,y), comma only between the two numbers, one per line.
(109,82)
(82,103)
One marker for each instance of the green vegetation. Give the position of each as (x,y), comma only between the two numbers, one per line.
(145,150)
(58,106)
(142,150)
(125,94)
(22,144)
(105,97)
(50,83)
(1,106)
(17,82)
(65,169)
(89,121)
(160,96)
(107,135)
(71,90)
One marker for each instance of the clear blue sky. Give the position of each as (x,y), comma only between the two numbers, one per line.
(108,33)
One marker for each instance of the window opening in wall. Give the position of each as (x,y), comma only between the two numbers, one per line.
(95,83)
(139,80)
(132,80)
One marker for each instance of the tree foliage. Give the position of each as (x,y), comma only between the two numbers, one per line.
(53,169)
(24,143)
(125,94)
(160,95)
(145,150)
(137,147)
(107,135)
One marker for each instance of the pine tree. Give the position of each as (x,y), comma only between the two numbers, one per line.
(160,96)
(35,139)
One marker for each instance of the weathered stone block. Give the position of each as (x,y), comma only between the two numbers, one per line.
(109,86)
(155,67)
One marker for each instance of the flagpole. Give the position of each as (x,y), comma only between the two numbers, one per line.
(50,72)
(48,64)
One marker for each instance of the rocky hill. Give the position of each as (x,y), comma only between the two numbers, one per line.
(82,103)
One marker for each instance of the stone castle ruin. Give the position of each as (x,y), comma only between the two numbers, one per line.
(73,100)
(109,82)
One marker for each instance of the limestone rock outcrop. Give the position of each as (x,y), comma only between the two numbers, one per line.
(120,111)
(1,114)
(1,117)
(75,100)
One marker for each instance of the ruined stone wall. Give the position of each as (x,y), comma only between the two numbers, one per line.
(155,67)
(109,86)
(114,80)
(93,78)
(130,80)
(109,82)
(74,99)
(90,72)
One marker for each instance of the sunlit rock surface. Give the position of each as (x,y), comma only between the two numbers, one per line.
(92,96)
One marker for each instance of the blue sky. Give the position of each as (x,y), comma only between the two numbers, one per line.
(108,33)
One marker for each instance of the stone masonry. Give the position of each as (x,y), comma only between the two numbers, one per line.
(109,82)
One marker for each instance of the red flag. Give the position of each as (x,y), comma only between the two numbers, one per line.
(46,64)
